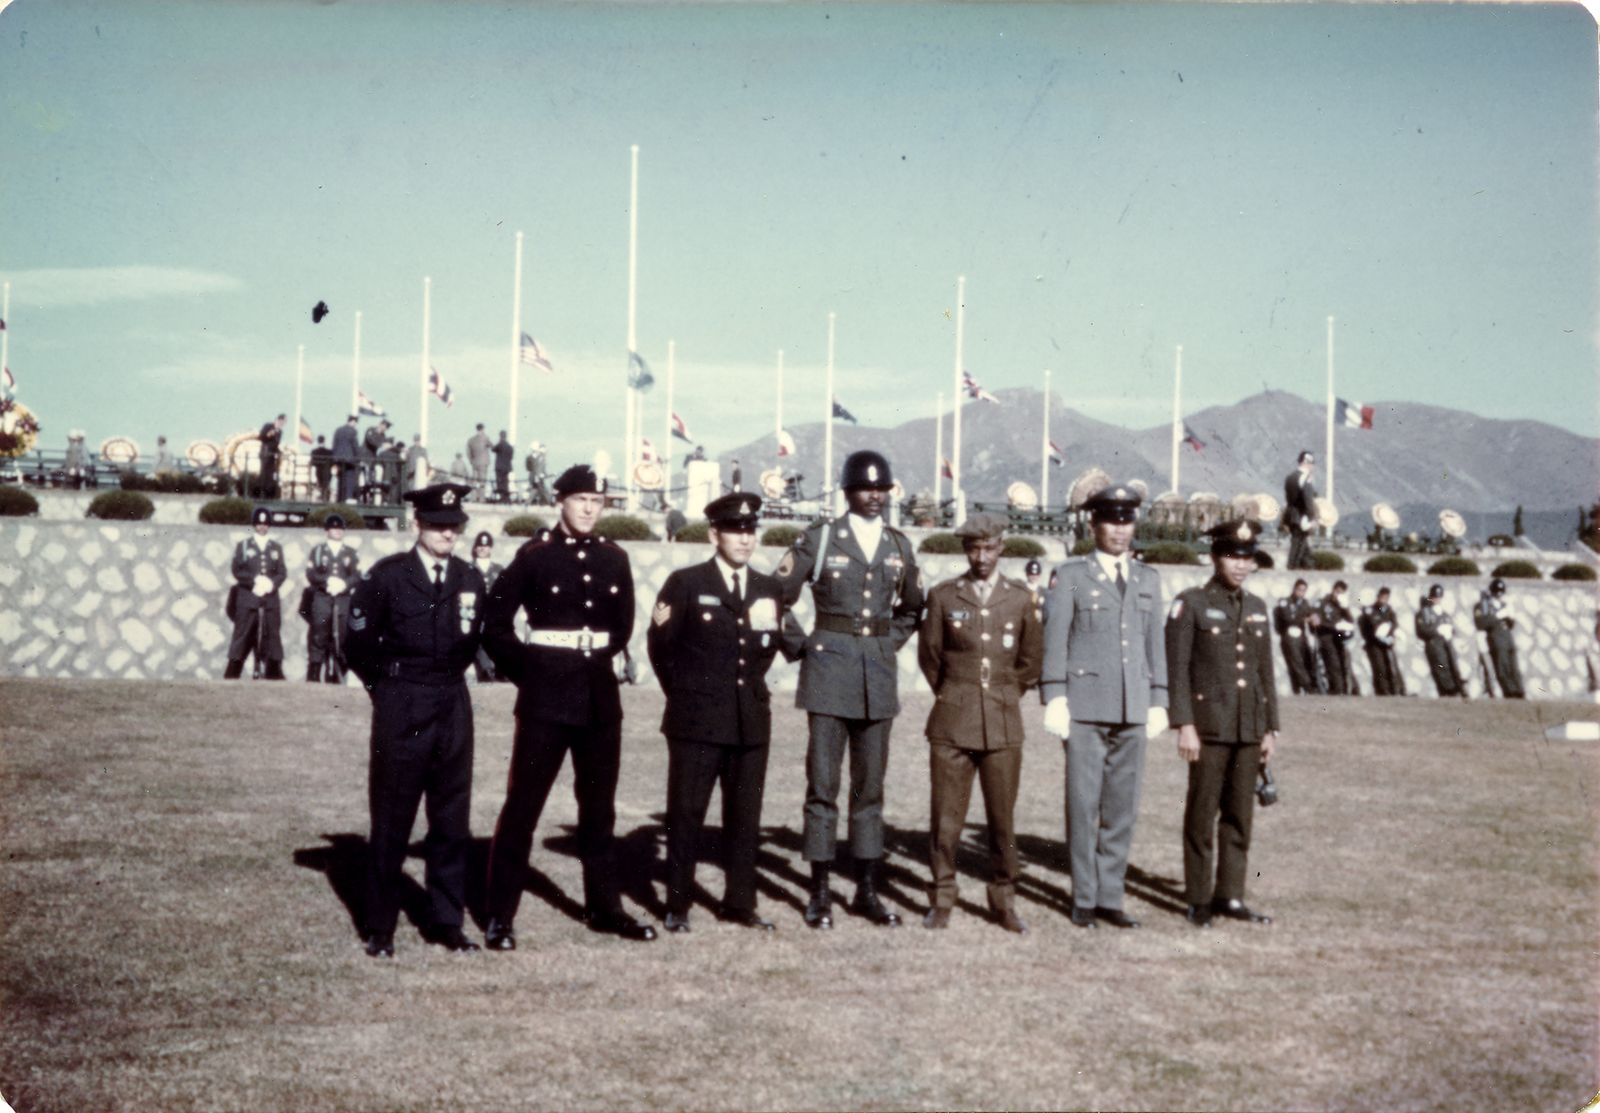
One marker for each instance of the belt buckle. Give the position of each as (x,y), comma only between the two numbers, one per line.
(983,672)
(863,628)
(585,641)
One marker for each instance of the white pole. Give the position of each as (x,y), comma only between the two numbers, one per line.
(957,491)
(827,436)
(778,427)
(427,310)
(1329,452)
(938,456)
(1177,413)
(5,333)
(355,370)
(516,340)
(299,397)
(665,452)
(633,309)
(1044,465)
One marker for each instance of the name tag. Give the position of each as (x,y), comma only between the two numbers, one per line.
(1212,612)
(710,600)
(1255,618)
(838,560)
(960,616)
(894,559)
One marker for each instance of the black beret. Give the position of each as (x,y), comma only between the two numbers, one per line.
(579,479)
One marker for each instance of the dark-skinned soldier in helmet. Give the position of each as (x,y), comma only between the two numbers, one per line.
(867,594)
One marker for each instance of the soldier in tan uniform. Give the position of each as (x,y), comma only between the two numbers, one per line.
(980,647)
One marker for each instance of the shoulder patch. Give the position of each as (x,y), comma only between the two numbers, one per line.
(786,565)
(1177,608)
(661,614)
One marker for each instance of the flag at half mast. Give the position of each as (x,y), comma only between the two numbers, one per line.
(639,376)
(439,388)
(305,432)
(366,407)
(975,389)
(530,353)
(1190,439)
(1058,455)
(680,428)
(843,414)
(785,443)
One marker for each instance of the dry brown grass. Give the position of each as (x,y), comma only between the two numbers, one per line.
(176,935)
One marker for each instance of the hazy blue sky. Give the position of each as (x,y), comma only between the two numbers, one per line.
(182,182)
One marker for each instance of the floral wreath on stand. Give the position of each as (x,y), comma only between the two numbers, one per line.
(203,453)
(119,452)
(19,429)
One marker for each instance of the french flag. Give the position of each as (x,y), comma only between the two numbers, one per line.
(1352,415)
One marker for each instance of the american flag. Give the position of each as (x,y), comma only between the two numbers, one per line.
(439,388)
(975,389)
(530,353)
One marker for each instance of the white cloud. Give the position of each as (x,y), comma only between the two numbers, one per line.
(52,287)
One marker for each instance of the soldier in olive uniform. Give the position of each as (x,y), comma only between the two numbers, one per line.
(1493,616)
(415,621)
(1291,618)
(331,569)
(1378,625)
(258,573)
(483,561)
(1225,706)
(1104,684)
(713,633)
(1435,630)
(577,592)
(1334,631)
(867,593)
(1300,510)
(980,647)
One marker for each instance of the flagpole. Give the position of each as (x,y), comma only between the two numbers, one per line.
(665,452)
(957,491)
(1044,447)
(299,397)
(355,370)
(633,309)
(938,458)
(516,340)
(827,437)
(1329,441)
(777,440)
(1177,413)
(427,310)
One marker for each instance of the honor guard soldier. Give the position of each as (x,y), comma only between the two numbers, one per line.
(331,569)
(1034,571)
(253,604)
(1104,685)
(1300,510)
(1378,625)
(979,648)
(1493,616)
(1435,630)
(1335,627)
(1291,618)
(867,593)
(577,592)
(483,561)
(415,622)
(1225,706)
(712,637)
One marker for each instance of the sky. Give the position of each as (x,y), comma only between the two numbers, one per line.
(182,182)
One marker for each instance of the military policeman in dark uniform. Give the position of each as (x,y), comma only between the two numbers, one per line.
(331,569)
(979,648)
(1300,510)
(867,593)
(1493,616)
(258,573)
(1225,706)
(577,592)
(712,637)
(483,561)
(271,438)
(1436,630)
(1336,626)
(1291,618)
(1378,625)
(415,621)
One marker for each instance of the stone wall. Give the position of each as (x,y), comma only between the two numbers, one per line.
(81,599)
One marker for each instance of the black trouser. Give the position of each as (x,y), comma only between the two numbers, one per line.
(1336,662)
(324,634)
(1386,678)
(349,480)
(1507,673)
(1221,784)
(693,769)
(1299,549)
(502,486)
(1442,663)
(247,639)
(1302,669)
(421,745)
(537,753)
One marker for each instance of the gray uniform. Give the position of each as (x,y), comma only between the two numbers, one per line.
(1490,617)
(1104,651)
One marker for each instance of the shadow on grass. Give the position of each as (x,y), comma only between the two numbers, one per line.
(344,861)
(1156,890)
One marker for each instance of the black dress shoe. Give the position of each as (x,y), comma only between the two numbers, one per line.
(380,946)
(1238,910)
(621,924)
(1083,917)
(678,923)
(1008,919)
(746,917)
(1198,915)
(499,937)
(451,938)
(1116,917)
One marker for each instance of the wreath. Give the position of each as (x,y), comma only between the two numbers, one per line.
(119,451)
(19,429)
(203,454)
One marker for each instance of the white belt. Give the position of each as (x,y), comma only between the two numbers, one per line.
(584,640)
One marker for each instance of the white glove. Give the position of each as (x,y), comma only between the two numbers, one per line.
(336,585)
(1057,719)
(1447,630)
(1385,629)
(1155,722)
(1344,627)
(1305,524)
(263,586)
(1293,631)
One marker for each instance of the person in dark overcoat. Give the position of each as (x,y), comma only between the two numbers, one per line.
(253,604)
(1300,510)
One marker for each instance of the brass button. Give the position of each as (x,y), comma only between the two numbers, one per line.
(1241,679)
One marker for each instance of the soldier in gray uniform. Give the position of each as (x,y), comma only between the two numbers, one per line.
(867,592)
(1225,706)
(1104,684)
(1493,616)
(1291,618)
(258,573)
(1334,631)
(1435,630)
(1378,625)
(1300,510)
(332,570)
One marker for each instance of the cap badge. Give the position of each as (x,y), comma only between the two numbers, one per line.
(448,498)
(1243,532)
(872,472)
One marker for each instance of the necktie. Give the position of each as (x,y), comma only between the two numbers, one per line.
(438,579)
(738,589)
(983,591)
(1122,584)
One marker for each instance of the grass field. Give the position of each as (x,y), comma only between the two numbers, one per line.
(182,862)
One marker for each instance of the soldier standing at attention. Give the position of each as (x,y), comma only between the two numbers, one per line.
(867,593)
(979,648)
(504,457)
(1493,616)
(479,450)
(415,621)
(1290,618)
(483,561)
(1378,625)
(577,592)
(322,468)
(346,448)
(1225,706)
(1435,630)
(712,637)
(1334,631)
(331,569)
(258,573)
(1300,510)
(1104,685)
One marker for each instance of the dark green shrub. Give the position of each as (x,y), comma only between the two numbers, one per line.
(1083,546)
(165,482)
(1454,566)
(121,506)
(781,536)
(1022,547)
(230,510)
(1390,562)
(1170,552)
(17,503)
(697,531)
(623,527)
(1326,560)
(1517,570)
(523,525)
(940,544)
(352,517)
(1579,572)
